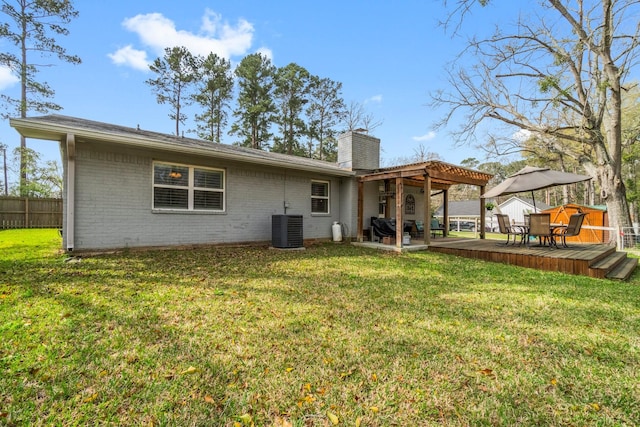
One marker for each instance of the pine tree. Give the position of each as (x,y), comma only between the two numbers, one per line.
(255,101)
(215,87)
(30,29)
(177,72)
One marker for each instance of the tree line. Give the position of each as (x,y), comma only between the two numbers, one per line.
(560,74)
(282,109)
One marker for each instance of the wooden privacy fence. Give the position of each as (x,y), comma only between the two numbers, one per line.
(25,212)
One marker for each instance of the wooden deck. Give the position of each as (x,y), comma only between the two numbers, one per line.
(593,260)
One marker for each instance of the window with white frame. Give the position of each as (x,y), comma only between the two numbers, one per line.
(319,197)
(188,188)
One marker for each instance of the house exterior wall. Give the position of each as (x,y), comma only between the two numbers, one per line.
(113,204)
(516,209)
(419,205)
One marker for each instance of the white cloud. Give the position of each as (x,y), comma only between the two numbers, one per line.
(521,135)
(266,52)
(156,32)
(375,98)
(132,57)
(7,78)
(426,137)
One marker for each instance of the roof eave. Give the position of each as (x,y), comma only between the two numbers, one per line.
(57,132)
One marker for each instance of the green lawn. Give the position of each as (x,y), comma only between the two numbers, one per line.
(333,335)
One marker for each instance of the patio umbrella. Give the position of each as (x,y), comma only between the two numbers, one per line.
(532,178)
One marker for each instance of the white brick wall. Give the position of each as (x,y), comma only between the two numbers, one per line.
(358,151)
(114,203)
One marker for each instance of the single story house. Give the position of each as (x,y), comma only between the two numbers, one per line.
(131,188)
(463,213)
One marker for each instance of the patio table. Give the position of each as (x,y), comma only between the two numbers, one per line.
(552,229)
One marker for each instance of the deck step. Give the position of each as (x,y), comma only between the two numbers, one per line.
(609,262)
(623,270)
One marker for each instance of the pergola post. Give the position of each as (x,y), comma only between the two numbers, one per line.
(427,209)
(399,221)
(445,212)
(483,216)
(387,199)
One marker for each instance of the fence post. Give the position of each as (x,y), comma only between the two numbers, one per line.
(26,212)
(620,238)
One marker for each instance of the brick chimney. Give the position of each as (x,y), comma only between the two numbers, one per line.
(358,151)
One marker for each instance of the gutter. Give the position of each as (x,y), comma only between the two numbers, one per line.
(56,132)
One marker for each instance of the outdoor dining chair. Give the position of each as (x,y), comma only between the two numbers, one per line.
(435,227)
(510,230)
(540,226)
(572,229)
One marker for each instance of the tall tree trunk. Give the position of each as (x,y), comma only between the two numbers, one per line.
(23,103)
(614,191)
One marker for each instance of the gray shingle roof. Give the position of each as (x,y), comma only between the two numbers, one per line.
(56,127)
(462,208)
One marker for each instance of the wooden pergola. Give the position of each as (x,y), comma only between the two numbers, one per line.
(430,176)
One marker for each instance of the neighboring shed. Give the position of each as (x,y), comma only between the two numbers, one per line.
(596,217)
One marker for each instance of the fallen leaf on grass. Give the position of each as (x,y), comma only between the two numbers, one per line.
(594,406)
(245,419)
(90,398)
(345,374)
(189,370)
(374,409)
(358,421)
(487,372)
(4,414)
(209,399)
(333,418)
(281,422)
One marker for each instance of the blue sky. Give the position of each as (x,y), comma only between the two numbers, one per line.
(388,56)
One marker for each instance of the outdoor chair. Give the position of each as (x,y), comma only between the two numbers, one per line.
(510,230)
(540,227)
(419,229)
(436,227)
(572,229)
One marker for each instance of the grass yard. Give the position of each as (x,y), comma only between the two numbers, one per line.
(333,335)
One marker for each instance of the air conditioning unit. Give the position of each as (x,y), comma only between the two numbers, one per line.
(286,231)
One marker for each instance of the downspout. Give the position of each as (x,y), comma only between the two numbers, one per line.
(71,179)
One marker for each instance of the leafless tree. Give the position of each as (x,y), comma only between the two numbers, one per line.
(357,118)
(559,76)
